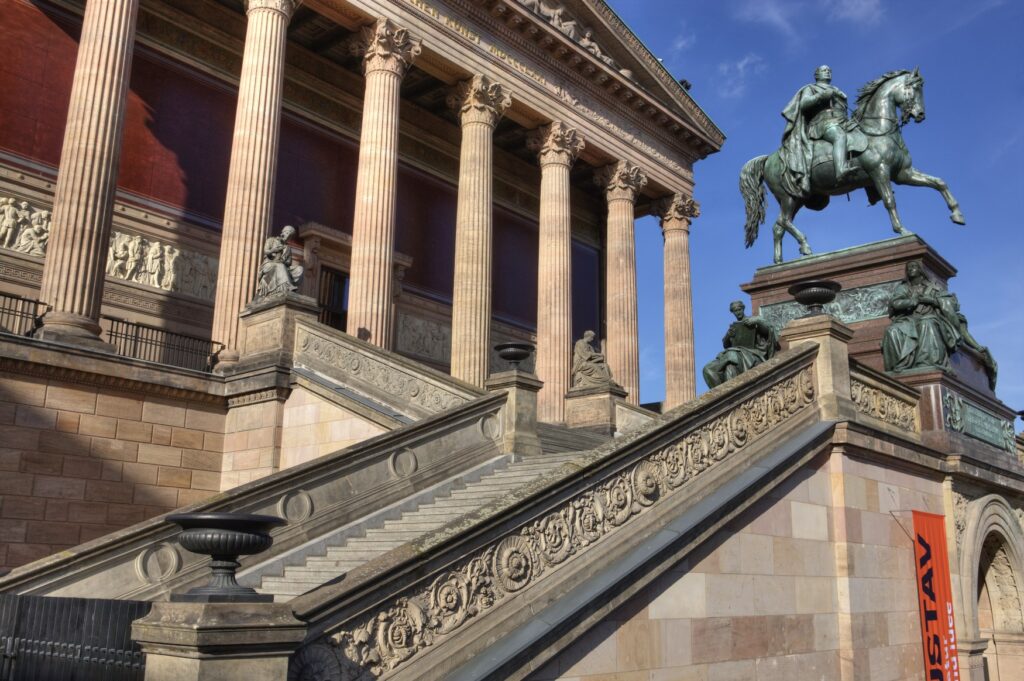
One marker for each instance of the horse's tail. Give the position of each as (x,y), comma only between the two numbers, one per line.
(752,188)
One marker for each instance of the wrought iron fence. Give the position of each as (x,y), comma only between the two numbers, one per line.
(69,639)
(149,343)
(19,316)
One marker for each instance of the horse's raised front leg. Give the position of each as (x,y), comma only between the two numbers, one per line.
(880,176)
(913,176)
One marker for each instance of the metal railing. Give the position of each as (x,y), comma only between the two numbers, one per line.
(151,344)
(20,316)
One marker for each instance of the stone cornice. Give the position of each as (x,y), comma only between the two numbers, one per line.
(480,100)
(386,47)
(676,211)
(556,143)
(621,181)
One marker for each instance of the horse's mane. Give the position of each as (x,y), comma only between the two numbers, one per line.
(865,94)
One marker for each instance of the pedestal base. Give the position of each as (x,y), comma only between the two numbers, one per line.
(73,329)
(594,408)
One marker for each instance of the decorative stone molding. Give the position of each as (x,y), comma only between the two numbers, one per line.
(621,181)
(389,636)
(556,143)
(676,211)
(285,7)
(480,100)
(883,405)
(960,503)
(362,367)
(268,395)
(386,47)
(850,306)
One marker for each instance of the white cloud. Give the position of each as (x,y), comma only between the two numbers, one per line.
(778,14)
(865,12)
(683,41)
(734,76)
(783,15)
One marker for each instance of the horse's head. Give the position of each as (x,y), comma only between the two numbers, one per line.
(909,95)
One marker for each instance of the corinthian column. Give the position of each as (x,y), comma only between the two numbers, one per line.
(622,182)
(557,146)
(480,103)
(387,52)
(83,202)
(249,205)
(676,212)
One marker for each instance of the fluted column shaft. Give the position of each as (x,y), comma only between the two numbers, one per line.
(481,104)
(557,146)
(622,182)
(680,371)
(83,202)
(387,53)
(249,205)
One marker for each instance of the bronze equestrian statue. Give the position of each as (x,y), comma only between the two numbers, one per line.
(824,153)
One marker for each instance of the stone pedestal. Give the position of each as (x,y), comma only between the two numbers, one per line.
(593,408)
(481,103)
(388,51)
(249,204)
(222,641)
(83,201)
(868,275)
(519,416)
(268,328)
(832,366)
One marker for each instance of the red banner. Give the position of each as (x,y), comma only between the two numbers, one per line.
(936,597)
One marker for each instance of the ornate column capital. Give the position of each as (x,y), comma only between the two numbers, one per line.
(480,100)
(622,181)
(386,47)
(556,143)
(285,7)
(676,212)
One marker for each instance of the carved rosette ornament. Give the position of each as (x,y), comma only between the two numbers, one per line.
(676,211)
(480,100)
(285,7)
(621,181)
(390,635)
(386,47)
(556,143)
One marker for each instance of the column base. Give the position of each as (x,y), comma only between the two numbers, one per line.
(73,329)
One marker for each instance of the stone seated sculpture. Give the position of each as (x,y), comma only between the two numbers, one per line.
(589,368)
(278,276)
(748,342)
(927,327)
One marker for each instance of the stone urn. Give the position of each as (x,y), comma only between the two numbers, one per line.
(224,537)
(815,295)
(514,352)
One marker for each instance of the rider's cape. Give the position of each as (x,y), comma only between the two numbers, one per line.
(796,144)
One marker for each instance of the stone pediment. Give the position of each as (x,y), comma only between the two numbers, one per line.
(598,30)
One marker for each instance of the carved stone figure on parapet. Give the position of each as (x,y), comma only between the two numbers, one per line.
(278,274)
(748,342)
(8,223)
(34,237)
(927,327)
(589,367)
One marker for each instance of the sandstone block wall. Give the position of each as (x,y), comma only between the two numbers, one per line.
(313,427)
(77,462)
(815,583)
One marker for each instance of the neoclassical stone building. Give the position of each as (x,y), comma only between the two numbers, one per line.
(460,173)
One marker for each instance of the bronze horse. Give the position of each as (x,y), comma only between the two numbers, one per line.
(879,158)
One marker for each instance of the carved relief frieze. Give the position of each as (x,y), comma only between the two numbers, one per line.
(386,378)
(387,638)
(23,227)
(885,406)
(424,338)
(961,415)
(556,15)
(851,305)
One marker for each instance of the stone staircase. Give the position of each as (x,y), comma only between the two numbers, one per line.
(463,498)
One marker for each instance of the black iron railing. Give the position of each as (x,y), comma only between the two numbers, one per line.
(149,343)
(69,639)
(19,316)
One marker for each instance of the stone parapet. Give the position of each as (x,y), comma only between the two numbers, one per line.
(519,415)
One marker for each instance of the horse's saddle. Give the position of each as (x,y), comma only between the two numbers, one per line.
(821,152)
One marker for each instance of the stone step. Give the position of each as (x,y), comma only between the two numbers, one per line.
(393,535)
(278,587)
(417,524)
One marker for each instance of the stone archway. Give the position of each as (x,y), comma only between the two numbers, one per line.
(992,590)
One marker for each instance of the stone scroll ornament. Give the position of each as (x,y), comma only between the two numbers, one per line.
(825,154)
(388,637)
(279,275)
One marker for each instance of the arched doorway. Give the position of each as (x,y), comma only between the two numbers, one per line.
(992,574)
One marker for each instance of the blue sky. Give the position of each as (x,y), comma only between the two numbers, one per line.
(746,58)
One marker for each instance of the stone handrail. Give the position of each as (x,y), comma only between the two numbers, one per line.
(144,562)
(386,612)
(876,395)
